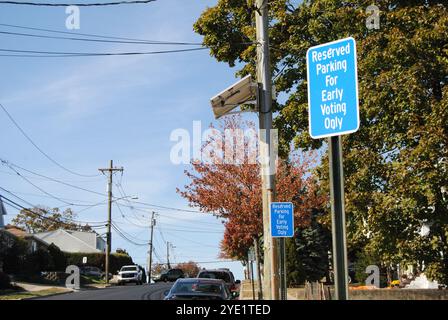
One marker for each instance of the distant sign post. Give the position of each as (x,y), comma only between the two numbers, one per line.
(282,226)
(333,111)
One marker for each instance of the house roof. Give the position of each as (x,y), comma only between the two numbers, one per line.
(20,233)
(44,235)
(16,231)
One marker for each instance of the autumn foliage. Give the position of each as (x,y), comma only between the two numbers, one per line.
(232,191)
(190,268)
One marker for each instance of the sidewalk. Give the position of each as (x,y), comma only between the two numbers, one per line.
(32,287)
(246,291)
(31,290)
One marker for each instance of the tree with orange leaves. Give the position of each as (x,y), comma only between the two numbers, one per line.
(229,187)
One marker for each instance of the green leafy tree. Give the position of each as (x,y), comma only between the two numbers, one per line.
(122,251)
(396,165)
(41,219)
(307,252)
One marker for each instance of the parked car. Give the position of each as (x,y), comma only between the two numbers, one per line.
(91,271)
(94,272)
(224,274)
(169,275)
(130,274)
(199,289)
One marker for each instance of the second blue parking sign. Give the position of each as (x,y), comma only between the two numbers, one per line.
(282,219)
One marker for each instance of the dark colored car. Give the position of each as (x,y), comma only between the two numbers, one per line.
(224,274)
(170,275)
(199,289)
(91,271)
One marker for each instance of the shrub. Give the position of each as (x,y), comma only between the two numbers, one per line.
(116,261)
(14,258)
(38,261)
(5,282)
(58,257)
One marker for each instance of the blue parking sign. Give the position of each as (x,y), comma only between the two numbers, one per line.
(332,88)
(282,219)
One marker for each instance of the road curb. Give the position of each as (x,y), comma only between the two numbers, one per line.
(50,295)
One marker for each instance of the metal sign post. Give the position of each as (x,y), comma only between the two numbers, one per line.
(282,226)
(282,255)
(338,219)
(333,111)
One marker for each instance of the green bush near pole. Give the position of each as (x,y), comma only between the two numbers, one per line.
(5,282)
(117,260)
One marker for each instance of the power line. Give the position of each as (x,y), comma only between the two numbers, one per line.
(123,236)
(125,40)
(95,4)
(192,222)
(193,231)
(18,207)
(45,196)
(92,35)
(49,194)
(218,261)
(188,230)
(192,241)
(161,234)
(129,235)
(177,218)
(167,208)
(124,217)
(145,42)
(125,197)
(8,164)
(46,179)
(56,54)
(38,148)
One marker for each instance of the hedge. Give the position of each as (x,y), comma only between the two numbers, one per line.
(17,260)
(116,260)
(5,282)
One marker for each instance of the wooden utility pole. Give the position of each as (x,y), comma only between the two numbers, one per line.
(110,171)
(153,223)
(168,254)
(271,270)
(257,259)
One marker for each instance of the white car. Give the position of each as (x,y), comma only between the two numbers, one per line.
(129,274)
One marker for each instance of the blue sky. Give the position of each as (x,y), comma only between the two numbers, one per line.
(84,111)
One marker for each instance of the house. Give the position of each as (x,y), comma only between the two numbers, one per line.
(9,235)
(74,241)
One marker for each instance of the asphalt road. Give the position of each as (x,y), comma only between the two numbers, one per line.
(127,292)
